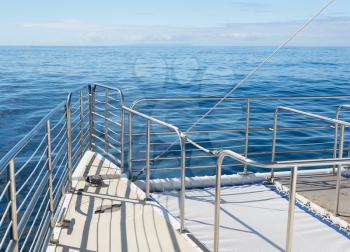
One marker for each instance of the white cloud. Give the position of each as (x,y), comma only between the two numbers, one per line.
(65,25)
(326,31)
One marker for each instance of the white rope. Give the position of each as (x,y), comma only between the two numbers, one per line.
(251,73)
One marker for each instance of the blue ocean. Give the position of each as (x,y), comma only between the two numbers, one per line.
(35,79)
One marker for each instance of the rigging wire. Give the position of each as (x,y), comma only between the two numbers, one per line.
(250,74)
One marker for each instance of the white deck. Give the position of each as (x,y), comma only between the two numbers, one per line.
(253,218)
(135,226)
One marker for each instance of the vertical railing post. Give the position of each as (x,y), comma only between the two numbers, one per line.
(273,152)
(106,121)
(183,181)
(69,141)
(341,149)
(217,202)
(130,146)
(335,147)
(81,108)
(245,170)
(12,197)
(291,208)
(122,129)
(91,114)
(148,154)
(49,165)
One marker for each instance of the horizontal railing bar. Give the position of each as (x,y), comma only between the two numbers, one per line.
(25,140)
(33,222)
(236,130)
(190,167)
(33,171)
(58,122)
(59,134)
(30,207)
(112,106)
(30,190)
(60,167)
(111,146)
(112,114)
(4,190)
(4,213)
(108,154)
(59,182)
(113,139)
(152,119)
(58,154)
(31,157)
(5,234)
(240,98)
(323,118)
(39,235)
(109,120)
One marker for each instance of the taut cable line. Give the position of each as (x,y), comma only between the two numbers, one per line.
(250,74)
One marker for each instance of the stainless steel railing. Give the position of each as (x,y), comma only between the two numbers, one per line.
(37,172)
(244,125)
(293,165)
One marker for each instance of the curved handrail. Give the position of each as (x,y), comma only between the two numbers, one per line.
(237,98)
(182,141)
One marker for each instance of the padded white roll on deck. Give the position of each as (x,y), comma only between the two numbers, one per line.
(253,218)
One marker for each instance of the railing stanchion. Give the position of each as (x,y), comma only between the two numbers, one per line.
(291,208)
(49,165)
(122,132)
(81,108)
(183,181)
(148,150)
(106,121)
(69,142)
(12,197)
(273,152)
(335,147)
(217,202)
(130,146)
(91,113)
(340,156)
(245,170)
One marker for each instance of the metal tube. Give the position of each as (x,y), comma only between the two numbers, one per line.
(245,170)
(291,208)
(335,138)
(81,124)
(122,132)
(12,197)
(183,185)
(91,116)
(69,144)
(341,149)
(106,121)
(217,202)
(273,155)
(148,149)
(130,146)
(49,165)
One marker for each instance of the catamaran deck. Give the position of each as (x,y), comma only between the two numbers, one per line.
(253,218)
(97,223)
(319,188)
(115,217)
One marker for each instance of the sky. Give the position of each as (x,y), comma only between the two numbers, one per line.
(181,22)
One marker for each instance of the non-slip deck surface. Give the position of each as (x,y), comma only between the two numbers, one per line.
(321,189)
(253,218)
(135,226)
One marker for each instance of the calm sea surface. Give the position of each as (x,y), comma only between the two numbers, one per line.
(34,79)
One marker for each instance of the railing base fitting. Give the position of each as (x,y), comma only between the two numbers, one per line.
(247,173)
